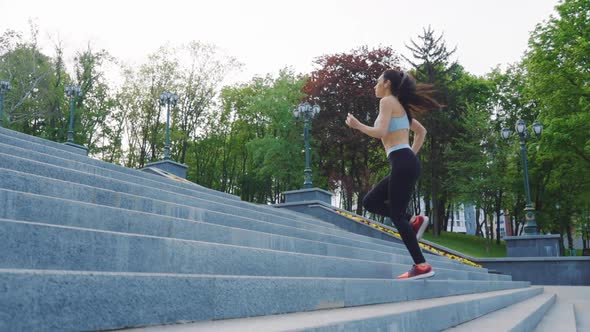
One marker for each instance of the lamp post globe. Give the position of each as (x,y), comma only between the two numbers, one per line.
(506,132)
(316,110)
(520,126)
(537,128)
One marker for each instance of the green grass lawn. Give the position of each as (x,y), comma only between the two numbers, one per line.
(468,244)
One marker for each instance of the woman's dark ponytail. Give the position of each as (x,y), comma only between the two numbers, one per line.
(415,98)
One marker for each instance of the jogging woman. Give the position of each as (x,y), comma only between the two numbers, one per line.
(401,98)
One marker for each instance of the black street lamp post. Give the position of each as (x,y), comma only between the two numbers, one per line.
(72,91)
(307,112)
(168,99)
(530,227)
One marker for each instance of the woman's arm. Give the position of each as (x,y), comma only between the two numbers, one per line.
(419,135)
(381,124)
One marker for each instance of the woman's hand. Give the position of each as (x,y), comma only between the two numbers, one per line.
(352,122)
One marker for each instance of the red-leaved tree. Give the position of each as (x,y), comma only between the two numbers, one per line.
(343,84)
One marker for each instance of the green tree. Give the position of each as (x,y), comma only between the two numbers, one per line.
(558,81)
(96,103)
(432,64)
(37,85)
(200,76)
(139,97)
(249,147)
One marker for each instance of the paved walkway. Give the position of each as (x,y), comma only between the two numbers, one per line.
(579,297)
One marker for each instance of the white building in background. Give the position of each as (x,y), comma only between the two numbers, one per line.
(458,222)
(464,221)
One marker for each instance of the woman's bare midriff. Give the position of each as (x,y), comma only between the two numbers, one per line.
(395,138)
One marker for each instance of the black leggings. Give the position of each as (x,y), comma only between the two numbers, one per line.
(397,187)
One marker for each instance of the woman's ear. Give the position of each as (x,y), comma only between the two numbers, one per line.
(387,84)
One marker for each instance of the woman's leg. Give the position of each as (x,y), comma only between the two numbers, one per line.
(374,200)
(405,170)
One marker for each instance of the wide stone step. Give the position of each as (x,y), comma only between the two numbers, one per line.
(560,317)
(61,147)
(62,212)
(520,317)
(233,207)
(38,145)
(46,300)
(250,210)
(139,178)
(117,197)
(581,309)
(27,245)
(419,315)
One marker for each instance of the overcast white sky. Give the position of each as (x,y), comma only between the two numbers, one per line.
(266,35)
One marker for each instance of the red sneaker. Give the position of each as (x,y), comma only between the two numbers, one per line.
(419,225)
(418,271)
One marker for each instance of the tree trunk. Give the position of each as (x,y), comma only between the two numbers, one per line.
(498,212)
(436,220)
(441,214)
(359,203)
(435,216)
(417,209)
(478,231)
(561,239)
(488,237)
(427,209)
(448,216)
(570,239)
(349,201)
(142,156)
(490,217)
(452,212)
(585,235)
(343,187)
(183,152)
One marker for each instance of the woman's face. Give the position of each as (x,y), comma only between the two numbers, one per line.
(381,87)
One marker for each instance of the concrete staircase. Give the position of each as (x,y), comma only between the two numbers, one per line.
(88,245)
